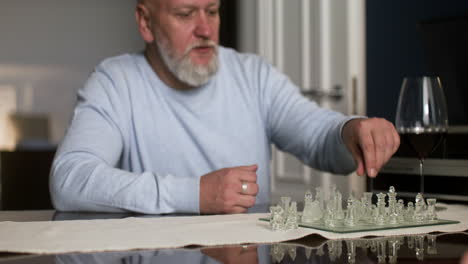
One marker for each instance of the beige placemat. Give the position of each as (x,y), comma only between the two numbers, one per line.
(171,232)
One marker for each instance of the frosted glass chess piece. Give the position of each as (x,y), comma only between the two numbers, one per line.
(315,211)
(277,220)
(308,214)
(392,206)
(292,217)
(319,196)
(401,211)
(381,210)
(350,218)
(308,252)
(285,201)
(366,201)
(410,212)
(419,212)
(431,214)
(339,213)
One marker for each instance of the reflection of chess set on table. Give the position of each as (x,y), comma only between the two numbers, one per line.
(326,212)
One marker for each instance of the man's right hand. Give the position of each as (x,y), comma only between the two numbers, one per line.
(221,191)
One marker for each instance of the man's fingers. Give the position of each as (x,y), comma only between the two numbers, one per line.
(246,201)
(252,168)
(368,148)
(380,143)
(247,176)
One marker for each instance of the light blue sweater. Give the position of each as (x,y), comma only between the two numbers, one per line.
(135,144)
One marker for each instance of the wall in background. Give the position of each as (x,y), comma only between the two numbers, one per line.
(395,48)
(48,48)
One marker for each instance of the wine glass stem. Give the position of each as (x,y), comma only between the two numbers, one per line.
(421,176)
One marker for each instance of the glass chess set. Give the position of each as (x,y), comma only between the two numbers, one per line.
(326,212)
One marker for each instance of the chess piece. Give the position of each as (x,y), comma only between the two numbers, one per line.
(292,217)
(401,211)
(350,218)
(410,212)
(392,206)
(292,253)
(419,212)
(431,214)
(308,214)
(381,210)
(277,220)
(366,201)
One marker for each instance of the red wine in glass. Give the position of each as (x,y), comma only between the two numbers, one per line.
(421,117)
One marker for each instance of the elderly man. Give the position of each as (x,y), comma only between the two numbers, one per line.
(187,126)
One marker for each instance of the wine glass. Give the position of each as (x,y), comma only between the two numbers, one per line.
(421,118)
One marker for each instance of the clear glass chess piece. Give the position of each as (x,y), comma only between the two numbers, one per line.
(381,209)
(292,252)
(431,214)
(392,206)
(419,208)
(410,212)
(308,212)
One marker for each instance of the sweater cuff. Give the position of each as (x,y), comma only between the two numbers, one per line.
(181,195)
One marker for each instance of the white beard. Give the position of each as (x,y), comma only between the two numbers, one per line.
(183,68)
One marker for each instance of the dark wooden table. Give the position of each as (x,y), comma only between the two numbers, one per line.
(427,248)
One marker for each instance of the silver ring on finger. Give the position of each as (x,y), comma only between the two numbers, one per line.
(244,187)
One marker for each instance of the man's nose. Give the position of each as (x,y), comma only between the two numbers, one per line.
(204,26)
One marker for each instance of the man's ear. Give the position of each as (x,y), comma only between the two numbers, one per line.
(143,19)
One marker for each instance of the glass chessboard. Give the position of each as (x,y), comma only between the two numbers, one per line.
(363,227)
(326,212)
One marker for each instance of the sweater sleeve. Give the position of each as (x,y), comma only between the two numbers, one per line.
(85,174)
(299,126)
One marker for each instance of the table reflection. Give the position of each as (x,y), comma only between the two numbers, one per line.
(316,250)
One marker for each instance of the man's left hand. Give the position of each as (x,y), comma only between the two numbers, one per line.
(372,142)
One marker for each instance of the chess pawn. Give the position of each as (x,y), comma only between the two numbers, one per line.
(431,214)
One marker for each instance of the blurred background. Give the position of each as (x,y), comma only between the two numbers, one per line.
(348,55)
